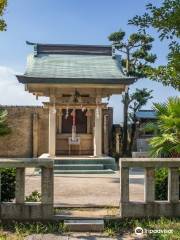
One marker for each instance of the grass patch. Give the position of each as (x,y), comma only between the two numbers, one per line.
(17,231)
(121,227)
(127,225)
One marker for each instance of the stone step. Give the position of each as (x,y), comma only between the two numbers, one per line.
(85,161)
(84,225)
(108,162)
(78,167)
(105,171)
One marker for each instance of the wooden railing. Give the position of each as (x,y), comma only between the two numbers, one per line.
(29,210)
(150,207)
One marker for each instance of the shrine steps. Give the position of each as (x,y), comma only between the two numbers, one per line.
(84,165)
(105,171)
(78,167)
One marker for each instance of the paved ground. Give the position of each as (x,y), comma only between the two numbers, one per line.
(78,236)
(89,190)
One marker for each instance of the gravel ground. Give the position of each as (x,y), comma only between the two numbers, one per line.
(89,190)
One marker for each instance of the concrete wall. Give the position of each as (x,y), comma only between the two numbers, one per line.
(19,143)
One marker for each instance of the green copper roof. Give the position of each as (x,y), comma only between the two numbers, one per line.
(53,67)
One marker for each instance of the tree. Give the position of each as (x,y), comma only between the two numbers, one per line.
(136,60)
(166,20)
(3,5)
(136,101)
(8,178)
(167,141)
(4,129)
(7,174)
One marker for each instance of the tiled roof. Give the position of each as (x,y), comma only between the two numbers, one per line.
(71,67)
(146,114)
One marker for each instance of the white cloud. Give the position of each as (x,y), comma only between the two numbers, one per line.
(12,92)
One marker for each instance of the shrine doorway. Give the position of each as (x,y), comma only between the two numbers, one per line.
(76,135)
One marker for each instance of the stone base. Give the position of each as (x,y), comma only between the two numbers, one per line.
(155,209)
(140,154)
(26,211)
(84,225)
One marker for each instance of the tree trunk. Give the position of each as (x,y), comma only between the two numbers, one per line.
(126,104)
(125,125)
(133,131)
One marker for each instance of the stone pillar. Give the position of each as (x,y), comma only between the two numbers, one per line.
(173,185)
(47,191)
(52,131)
(20,185)
(124,185)
(149,185)
(117,139)
(47,185)
(35,135)
(98,132)
(106,134)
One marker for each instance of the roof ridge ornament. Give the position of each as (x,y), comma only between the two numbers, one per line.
(104,50)
(30,43)
(35,47)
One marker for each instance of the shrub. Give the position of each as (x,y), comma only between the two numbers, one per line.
(35,196)
(167,141)
(161,184)
(8,179)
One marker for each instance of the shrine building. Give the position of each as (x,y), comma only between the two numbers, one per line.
(76,78)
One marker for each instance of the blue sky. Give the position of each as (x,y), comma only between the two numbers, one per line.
(67,21)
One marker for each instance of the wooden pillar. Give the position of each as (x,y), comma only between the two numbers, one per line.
(149,185)
(20,185)
(35,135)
(52,131)
(173,185)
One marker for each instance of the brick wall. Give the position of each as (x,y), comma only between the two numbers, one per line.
(19,143)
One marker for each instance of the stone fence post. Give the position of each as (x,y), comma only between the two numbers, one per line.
(21,210)
(150,207)
(47,185)
(20,185)
(173,185)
